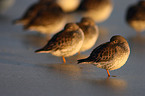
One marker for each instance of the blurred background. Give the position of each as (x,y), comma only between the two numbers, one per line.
(25,73)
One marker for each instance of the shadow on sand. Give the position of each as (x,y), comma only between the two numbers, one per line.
(115,84)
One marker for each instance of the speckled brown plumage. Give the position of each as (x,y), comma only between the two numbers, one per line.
(65,43)
(110,55)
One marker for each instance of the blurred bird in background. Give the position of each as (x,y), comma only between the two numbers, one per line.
(91,33)
(68,5)
(45,16)
(135,16)
(99,10)
(5,5)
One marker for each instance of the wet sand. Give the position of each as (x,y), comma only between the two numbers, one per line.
(25,73)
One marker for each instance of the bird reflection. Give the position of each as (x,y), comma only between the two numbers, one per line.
(71,70)
(135,16)
(99,10)
(113,83)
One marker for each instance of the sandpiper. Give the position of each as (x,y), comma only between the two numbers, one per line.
(99,10)
(49,20)
(135,16)
(45,17)
(111,55)
(65,43)
(30,13)
(91,33)
(68,5)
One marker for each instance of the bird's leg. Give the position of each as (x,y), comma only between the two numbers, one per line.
(63,59)
(79,53)
(108,73)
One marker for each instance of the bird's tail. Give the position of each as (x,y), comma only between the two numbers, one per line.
(19,21)
(42,50)
(84,61)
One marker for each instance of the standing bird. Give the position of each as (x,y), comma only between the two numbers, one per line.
(49,20)
(91,33)
(31,12)
(46,17)
(135,16)
(99,10)
(68,5)
(110,55)
(65,43)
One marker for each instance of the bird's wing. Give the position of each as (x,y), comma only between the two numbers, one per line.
(60,40)
(104,52)
(47,16)
(32,10)
(42,18)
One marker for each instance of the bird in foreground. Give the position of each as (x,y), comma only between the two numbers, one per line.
(91,33)
(135,16)
(65,43)
(110,56)
(99,10)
